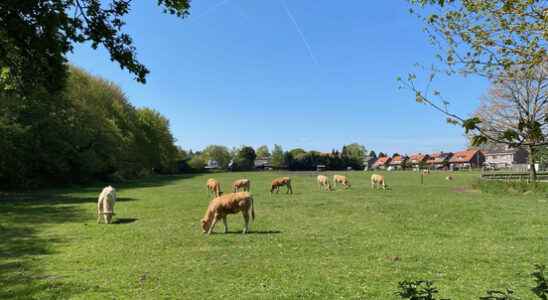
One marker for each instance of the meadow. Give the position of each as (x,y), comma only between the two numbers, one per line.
(347,244)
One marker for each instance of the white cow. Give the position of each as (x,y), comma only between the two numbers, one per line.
(105,204)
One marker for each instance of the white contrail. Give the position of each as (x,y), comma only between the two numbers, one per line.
(298,28)
(211,9)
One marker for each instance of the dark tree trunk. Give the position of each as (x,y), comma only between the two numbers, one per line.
(532,170)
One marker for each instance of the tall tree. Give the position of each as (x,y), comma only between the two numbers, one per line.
(278,158)
(219,153)
(36,35)
(353,155)
(502,41)
(263,152)
(245,158)
(515,112)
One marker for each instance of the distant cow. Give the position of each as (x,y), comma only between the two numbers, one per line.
(227,204)
(243,184)
(342,180)
(378,181)
(425,171)
(213,187)
(323,182)
(449,178)
(105,204)
(278,182)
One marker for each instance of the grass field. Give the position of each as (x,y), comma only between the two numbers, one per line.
(347,244)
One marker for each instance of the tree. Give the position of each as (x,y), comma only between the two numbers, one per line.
(372,154)
(245,158)
(500,40)
(263,152)
(221,154)
(514,112)
(381,154)
(278,159)
(395,154)
(88,131)
(353,155)
(37,35)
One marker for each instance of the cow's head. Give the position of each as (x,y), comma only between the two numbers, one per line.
(205,225)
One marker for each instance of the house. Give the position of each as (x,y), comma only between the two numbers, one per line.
(212,164)
(501,156)
(368,162)
(471,158)
(263,163)
(418,160)
(382,162)
(398,162)
(439,160)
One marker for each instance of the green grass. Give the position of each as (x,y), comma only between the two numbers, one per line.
(347,244)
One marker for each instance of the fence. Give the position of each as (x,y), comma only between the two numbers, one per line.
(510,175)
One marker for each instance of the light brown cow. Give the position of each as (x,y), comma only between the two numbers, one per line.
(105,204)
(278,182)
(378,181)
(227,204)
(425,172)
(213,187)
(341,179)
(323,182)
(243,184)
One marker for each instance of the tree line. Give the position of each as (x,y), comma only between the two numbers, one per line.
(87,131)
(243,158)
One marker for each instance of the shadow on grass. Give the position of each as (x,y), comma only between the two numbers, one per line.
(124,221)
(250,232)
(23,249)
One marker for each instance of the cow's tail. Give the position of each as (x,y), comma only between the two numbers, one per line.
(252,209)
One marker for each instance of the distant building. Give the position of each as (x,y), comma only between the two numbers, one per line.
(263,163)
(471,158)
(368,162)
(382,163)
(418,160)
(501,156)
(212,164)
(439,160)
(398,162)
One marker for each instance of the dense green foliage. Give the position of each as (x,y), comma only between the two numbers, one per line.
(36,35)
(244,159)
(347,244)
(88,131)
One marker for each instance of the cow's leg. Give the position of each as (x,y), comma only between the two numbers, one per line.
(245,213)
(226,224)
(98,214)
(215,219)
(108,218)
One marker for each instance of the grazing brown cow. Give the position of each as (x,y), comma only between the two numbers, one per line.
(378,181)
(449,178)
(278,182)
(105,204)
(243,184)
(213,186)
(341,179)
(227,204)
(323,182)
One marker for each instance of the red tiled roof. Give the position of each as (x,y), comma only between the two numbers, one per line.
(397,160)
(463,156)
(438,157)
(382,161)
(415,158)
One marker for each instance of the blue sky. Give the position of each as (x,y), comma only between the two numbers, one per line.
(315,75)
